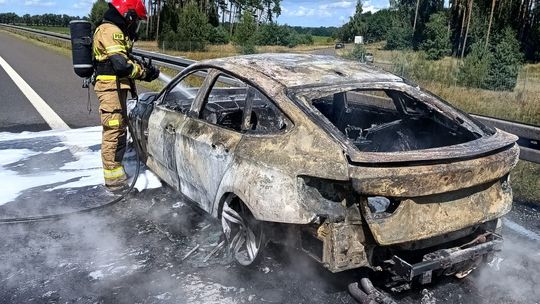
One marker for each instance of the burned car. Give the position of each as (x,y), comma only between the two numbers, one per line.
(353,165)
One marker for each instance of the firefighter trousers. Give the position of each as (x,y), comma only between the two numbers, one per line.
(112,108)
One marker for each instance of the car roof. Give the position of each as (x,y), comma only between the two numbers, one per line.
(293,70)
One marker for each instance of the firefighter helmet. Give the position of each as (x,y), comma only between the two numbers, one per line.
(128,7)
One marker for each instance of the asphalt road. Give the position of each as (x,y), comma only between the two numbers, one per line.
(137,251)
(50,74)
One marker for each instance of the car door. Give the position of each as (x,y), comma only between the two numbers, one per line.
(209,137)
(166,121)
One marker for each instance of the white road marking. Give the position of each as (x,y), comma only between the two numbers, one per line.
(51,118)
(521,230)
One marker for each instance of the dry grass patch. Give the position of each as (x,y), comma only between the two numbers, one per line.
(525,180)
(225,50)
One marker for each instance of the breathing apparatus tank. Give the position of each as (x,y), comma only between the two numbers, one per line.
(81,47)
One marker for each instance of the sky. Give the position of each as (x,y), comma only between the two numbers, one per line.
(323,13)
(294,12)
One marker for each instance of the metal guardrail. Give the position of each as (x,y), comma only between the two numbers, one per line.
(529,135)
(173,62)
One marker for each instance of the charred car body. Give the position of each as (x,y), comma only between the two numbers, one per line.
(362,168)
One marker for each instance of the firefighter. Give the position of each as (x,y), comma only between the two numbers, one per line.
(116,71)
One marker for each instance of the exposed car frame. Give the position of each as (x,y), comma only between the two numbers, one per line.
(317,186)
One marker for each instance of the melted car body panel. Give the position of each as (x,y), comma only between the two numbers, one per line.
(310,174)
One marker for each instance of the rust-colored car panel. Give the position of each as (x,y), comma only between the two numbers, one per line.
(362,167)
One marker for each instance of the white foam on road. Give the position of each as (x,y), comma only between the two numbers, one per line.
(10,156)
(51,118)
(85,170)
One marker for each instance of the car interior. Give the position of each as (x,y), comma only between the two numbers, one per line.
(228,107)
(390,121)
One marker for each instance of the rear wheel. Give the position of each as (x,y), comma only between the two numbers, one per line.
(244,234)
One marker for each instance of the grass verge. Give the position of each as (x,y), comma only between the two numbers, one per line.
(522,104)
(227,50)
(54,29)
(525,181)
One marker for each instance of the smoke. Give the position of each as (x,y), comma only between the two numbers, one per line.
(514,274)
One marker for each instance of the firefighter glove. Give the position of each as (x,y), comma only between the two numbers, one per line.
(151,72)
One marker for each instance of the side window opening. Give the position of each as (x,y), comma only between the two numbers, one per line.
(265,118)
(389,121)
(238,106)
(225,103)
(182,95)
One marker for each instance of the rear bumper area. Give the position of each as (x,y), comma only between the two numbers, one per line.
(431,216)
(449,261)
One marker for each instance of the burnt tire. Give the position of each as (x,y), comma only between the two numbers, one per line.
(244,234)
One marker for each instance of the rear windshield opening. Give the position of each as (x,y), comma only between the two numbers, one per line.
(390,121)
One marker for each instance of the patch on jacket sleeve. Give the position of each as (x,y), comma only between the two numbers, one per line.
(118,36)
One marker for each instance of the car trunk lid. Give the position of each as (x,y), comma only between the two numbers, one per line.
(438,195)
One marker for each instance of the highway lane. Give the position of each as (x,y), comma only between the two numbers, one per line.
(51,75)
(16,112)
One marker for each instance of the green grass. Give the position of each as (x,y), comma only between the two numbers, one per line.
(55,29)
(322,40)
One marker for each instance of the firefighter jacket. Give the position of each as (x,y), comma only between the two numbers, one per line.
(112,49)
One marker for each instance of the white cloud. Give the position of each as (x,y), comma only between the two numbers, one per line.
(339,4)
(302,12)
(39,3)
(325,13)
(368,7)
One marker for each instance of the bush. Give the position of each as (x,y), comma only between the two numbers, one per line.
(218,35)
(358,53)
(274,34)
(400,35)
(474,70)
(437,38)
(193,28)
(244,37)
(506,62)
(305,39)
(493,68)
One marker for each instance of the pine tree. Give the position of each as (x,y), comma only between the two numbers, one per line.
(506,63)
(437,42)
(244,37)
(474,70)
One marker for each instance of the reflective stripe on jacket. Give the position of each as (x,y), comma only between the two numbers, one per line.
(109,40)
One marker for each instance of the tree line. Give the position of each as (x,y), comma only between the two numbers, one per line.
(427,24)
(493,37)
(189,25)
(41,20)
